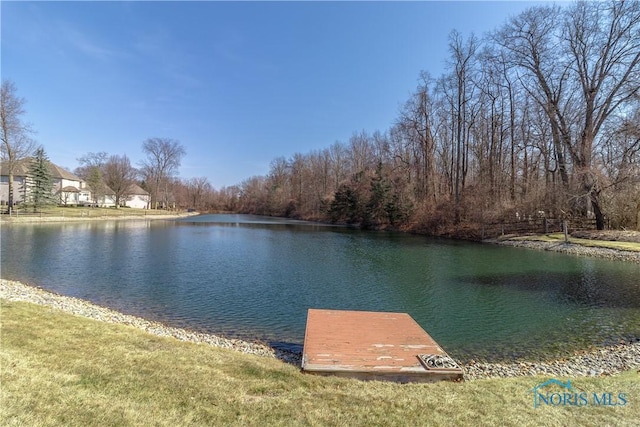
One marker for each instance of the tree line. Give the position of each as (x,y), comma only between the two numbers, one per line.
(539,117)
(114,173)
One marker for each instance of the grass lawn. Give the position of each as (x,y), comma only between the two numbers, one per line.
(559,238)
(59,369)
(85,212)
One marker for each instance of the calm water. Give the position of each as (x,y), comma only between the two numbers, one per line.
(255,277)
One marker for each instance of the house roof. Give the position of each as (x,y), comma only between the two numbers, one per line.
(58,172)
(136,190)
(22,169)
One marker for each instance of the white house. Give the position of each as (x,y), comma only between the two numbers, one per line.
(138,198)
(70,189)
(108,199)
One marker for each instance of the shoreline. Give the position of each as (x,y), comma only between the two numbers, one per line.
(570,249)
(34,219)
(11,290)
(608,360)
(560,247)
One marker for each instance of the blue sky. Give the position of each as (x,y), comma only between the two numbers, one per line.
(237,83)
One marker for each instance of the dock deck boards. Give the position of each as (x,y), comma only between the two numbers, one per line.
(370,345)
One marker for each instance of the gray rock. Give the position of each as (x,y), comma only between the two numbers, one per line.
(603,361)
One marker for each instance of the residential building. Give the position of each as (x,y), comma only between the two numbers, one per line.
(70,189)
(138,198)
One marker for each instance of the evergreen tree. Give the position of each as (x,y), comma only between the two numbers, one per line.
(39,182)
(345,206)
(377,208)
(385,206)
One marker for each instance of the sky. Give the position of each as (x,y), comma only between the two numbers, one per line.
(238,84)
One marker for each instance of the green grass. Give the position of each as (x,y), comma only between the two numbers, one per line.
(559,238)
(85,212)
(59,369)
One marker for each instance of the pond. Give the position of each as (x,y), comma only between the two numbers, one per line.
(255,277)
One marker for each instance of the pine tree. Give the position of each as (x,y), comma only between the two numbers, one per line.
(376,212)
(39,182)
(345,206)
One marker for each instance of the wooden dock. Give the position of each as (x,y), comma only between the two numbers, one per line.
(373,346)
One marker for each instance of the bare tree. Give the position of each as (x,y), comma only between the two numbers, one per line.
(252,195)
(604,47)
(416,126)
(620,157)
(279,185)
(461,62)
(163,160)
(584,65)
(91,169)
(198,189)
(17,143)
(90,161)
(119,176)
(339,164)
(298,171)
(360,152)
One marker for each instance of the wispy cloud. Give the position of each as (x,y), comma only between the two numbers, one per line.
(84,43)
(33,28)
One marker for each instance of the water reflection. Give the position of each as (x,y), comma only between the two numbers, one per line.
(586,288)
(256,277)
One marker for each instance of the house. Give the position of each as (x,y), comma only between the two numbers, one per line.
(108,200)
(138,198)
(70,189)
(19,177)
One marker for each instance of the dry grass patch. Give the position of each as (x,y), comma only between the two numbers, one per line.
(58,369)
(595,243)
(86,212)
(613,235)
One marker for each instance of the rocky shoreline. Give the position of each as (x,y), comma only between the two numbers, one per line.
(602,361)
(571,248)
(17,291)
